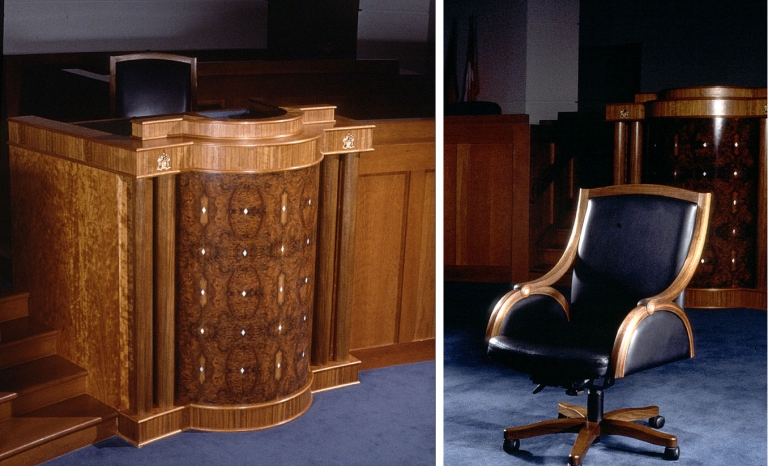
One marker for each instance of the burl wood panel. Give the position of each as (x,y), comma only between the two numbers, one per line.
(720,156)
(68,221)
(246,271)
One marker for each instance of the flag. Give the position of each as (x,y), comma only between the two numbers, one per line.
(451,85)
(471,79)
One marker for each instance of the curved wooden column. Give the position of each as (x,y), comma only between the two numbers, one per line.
(247,233)
(710,139)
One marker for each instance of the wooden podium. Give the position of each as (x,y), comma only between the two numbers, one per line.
(179,257)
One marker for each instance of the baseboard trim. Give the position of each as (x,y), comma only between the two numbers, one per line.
(392,355)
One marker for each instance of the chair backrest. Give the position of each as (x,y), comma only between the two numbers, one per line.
(146,84)
(632,246)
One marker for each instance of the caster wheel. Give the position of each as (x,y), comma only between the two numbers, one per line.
(511,446)
(656,422)
(672,454)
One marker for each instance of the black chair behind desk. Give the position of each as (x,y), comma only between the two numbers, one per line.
(146,84)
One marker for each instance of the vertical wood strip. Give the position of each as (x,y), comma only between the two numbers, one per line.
(462,201)
(165,288)
(143,291)
(344,285)
(636,153)
(124,205)
(521,189)
(619,153)
(762,206)
(322,321)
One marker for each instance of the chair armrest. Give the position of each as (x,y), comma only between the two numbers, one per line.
(652,334)
(509,307)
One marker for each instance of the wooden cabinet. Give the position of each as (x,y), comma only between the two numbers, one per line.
(486,203)
(393,296)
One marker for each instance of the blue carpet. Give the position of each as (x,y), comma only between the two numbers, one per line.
(715,403)
(388,419)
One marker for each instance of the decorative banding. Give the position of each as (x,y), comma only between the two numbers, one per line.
(698,108)
(252,159)
(289,124)
(252,416)
(714,92)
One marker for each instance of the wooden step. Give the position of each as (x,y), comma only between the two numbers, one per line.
(33,440)
(25,339)
(550,256)
(82,406)
(12,305)
(6,408)
(42,382)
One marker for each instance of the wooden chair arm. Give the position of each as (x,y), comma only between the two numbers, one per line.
(627,330)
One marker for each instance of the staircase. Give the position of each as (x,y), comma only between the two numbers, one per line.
(548,250)
(44,409)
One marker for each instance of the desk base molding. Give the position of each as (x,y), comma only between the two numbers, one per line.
(161,423)
(335,374)
(709,298)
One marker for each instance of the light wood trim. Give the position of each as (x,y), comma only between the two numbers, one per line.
(159,424)
(619,152)
(251,416)
(629,326)
(720,298)
(335,375)
(635,152)
(504,305)
(571,410)
(625,112)
(165,290)
(708,108)
(290,124)
(651,189)
(245,158)
(334,140)
(714,92)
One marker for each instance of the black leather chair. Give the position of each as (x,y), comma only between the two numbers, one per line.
(632,251)
(144,84)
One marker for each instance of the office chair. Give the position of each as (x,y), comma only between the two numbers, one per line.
(144,84)
(632,251)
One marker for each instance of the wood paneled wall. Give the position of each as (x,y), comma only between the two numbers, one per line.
(486,206)
(393,289)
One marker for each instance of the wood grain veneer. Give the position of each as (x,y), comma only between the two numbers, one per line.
(118,268)
(246,268)
(486,215)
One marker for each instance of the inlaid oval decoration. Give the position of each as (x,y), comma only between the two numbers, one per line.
(246,211)
(244,293)
(242,370)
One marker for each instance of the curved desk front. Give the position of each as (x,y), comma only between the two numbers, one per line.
(178,258)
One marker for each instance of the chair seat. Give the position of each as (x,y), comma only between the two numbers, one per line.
(563,354)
